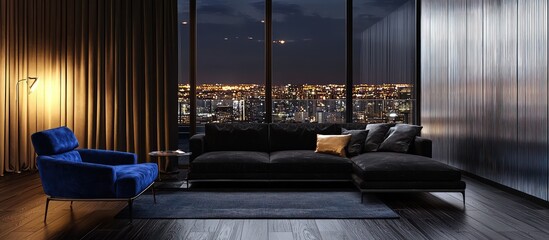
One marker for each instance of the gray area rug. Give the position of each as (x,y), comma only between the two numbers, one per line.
(258,205)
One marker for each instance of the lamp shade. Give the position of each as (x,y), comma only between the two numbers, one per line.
(34,84)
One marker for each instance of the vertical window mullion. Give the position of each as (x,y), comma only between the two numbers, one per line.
(349,62)
(192,62)
(268,61)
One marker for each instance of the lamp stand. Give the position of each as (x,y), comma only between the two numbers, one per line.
(17,170)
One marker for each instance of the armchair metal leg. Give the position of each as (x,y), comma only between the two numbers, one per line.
(46,212)
(71,204)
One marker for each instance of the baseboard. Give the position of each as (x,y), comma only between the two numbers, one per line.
(507,189)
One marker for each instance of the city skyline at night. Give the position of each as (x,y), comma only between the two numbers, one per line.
(297,103)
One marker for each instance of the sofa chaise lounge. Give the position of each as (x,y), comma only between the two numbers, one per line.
(286,152)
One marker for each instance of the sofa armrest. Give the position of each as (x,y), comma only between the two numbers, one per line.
(107,157)
(422,146)
(66,179)
(197,145)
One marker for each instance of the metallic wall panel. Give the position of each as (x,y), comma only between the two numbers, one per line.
(532,96)
(428,77)
(457,84)
(493,100)
(439,79)
(475,106)
(425,65)
(491,77)
(499,93)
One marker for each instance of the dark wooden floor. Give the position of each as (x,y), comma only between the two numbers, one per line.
(489,214)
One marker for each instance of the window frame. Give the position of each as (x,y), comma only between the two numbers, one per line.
(349,83)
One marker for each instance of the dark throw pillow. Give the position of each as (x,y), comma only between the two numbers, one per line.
(401,138)
(376,135)
(355,145)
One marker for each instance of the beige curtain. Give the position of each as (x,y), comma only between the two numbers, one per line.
(107,70)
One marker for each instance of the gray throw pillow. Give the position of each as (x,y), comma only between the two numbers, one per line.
(376,135)
(355,145)
(401,138)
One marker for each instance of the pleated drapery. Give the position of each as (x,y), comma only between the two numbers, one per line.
(107,70)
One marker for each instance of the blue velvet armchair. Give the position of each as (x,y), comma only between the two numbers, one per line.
(70,174)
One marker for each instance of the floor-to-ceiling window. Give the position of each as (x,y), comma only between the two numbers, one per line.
(384,43)
(230,61)
(308,61)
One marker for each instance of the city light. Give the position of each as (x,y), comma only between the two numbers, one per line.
(297,103)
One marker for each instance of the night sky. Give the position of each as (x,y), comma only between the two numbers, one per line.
(309,35)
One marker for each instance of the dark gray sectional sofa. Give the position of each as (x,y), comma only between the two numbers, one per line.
(286,152)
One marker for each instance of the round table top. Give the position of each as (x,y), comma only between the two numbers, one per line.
(169,153)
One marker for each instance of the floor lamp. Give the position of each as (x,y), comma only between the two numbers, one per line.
(32,87)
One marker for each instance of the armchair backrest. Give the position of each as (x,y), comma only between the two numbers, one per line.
(59,143)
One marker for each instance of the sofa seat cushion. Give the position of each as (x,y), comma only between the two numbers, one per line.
(308,161)
(131,179)
(390,166)
(231,162)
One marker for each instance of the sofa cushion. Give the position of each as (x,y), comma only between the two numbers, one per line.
(308,161)
(356,144)
(390,166)
(131,179)
(237,137)
(231,162)
(332,144)
(54,141)
(400,138)
(376,135)
(302,136)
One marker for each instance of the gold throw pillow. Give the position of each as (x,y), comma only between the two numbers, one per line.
(332,144)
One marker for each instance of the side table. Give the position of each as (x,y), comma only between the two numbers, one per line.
(167,154)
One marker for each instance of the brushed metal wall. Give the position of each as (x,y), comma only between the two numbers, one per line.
(434,106)
(474,84)
(532,96)
(457,89)
(484,88)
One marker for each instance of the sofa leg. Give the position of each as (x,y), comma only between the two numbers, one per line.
(362,197)
(154,193)
(46,212)
(463,195)
(130,206)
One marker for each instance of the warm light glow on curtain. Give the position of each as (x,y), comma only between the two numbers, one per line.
(107,69)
